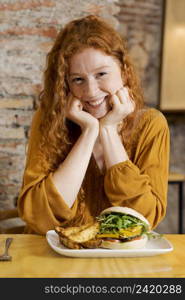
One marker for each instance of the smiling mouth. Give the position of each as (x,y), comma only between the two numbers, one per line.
(97,103)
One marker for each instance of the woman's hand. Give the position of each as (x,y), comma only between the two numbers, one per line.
(122,106)
(76,114)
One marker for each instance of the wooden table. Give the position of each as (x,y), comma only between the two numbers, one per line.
(33,257)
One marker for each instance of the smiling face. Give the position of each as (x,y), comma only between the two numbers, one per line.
(93,77)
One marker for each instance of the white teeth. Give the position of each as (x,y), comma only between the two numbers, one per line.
(95,103)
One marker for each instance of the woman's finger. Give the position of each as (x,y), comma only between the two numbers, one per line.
(77,104)
(128,95)
(130,101)
(129,98)
(122,95)
(125,99)
(74,103)
(114,100)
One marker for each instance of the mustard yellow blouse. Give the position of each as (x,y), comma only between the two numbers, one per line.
(140,182)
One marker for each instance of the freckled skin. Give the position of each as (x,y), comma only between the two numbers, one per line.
(94,75)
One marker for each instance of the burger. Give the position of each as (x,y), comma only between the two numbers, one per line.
(122,228)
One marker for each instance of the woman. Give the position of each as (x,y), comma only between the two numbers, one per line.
(93,144)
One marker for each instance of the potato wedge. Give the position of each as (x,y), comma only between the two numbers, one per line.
(62,231)
(69,244)
(94,243)
(78,237)
(86,234)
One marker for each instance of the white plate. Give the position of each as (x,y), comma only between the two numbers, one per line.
(156,246)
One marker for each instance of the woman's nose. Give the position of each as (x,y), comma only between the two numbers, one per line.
(90,89)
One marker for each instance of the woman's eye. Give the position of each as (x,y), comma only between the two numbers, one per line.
(101,74)
(77,80)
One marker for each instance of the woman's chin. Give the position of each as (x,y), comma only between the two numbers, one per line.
(99,115)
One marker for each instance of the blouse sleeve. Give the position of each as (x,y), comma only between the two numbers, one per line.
(39,203)
(141,184)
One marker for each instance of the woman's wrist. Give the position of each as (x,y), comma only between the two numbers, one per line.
(92,130)
(114,150)
(108,128)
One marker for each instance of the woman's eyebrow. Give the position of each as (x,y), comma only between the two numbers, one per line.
(72,74)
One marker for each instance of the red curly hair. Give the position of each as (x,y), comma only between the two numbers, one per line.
(58,133)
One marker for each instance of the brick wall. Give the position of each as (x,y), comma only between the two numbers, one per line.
(140,22)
